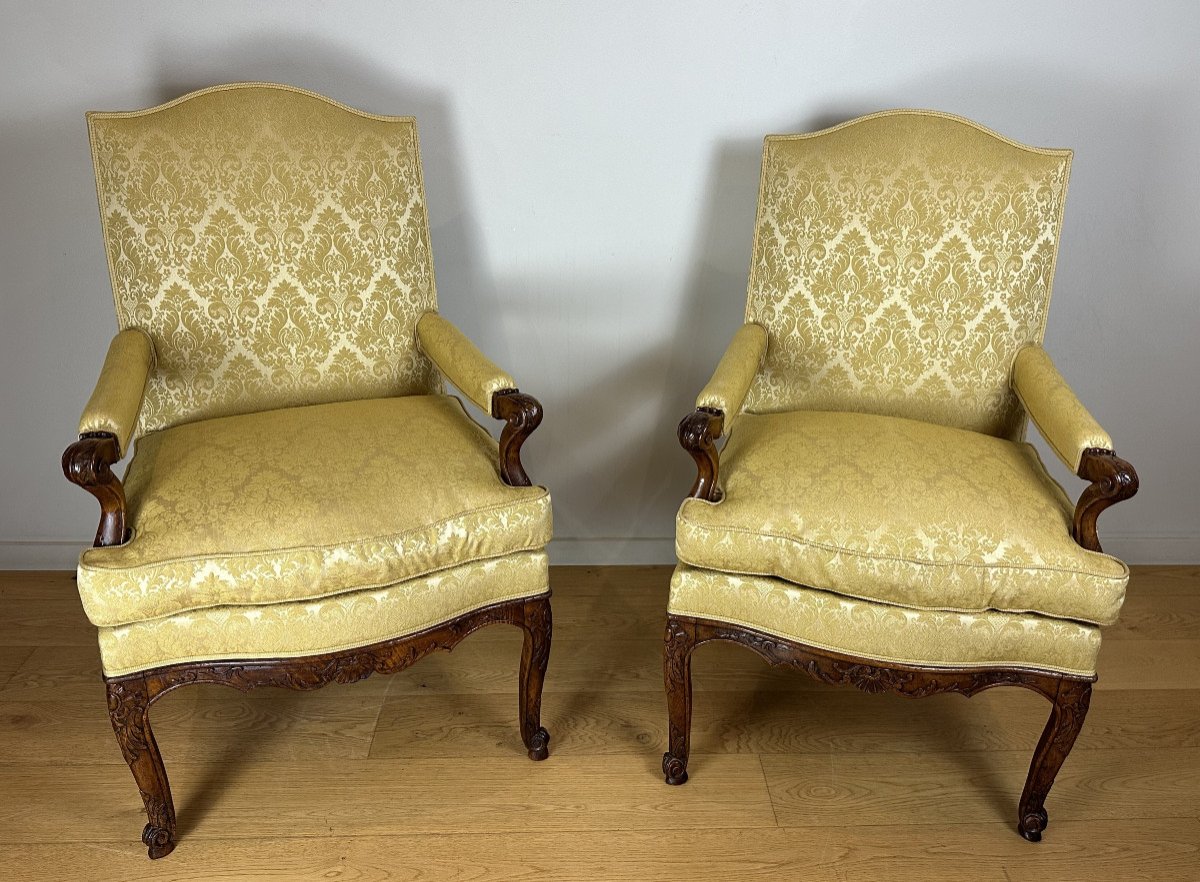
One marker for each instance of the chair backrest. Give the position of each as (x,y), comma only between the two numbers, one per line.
(900,262)
(274,245)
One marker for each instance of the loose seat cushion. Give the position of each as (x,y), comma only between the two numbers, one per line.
(898,511)
(307,502)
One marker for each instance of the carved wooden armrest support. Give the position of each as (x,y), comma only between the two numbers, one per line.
(1113,479)
(87,463)
(698,432)
(522,413)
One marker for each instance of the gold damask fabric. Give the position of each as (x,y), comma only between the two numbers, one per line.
(358,618)
(885,632)
(898,511)
(461,361)
(307,502)
(727,389)
(1055,409)
(900,262)
(272,243)
(119,391)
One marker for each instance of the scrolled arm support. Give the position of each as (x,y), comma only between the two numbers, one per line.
(698,433)
(88,463)
(1113,480)
(522,414)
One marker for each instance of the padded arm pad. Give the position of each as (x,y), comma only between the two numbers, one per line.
(117,398)
(460,361)
(1062,420)
(727,389)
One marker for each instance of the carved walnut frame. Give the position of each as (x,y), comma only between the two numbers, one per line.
(88,463)
(1113,480)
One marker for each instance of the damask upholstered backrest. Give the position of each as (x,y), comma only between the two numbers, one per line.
(900,261)
(273,244)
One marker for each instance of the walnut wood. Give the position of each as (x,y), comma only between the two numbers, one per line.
(698,432)
(522,413)
(87,463)
(1113,480)
(1069,696)
(130,697)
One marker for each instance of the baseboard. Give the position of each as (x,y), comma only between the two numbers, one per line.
(60,554)
(40,554)
(611,552)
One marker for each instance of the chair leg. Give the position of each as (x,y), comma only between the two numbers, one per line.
(129,710)
(535,654)
(678,644)
(1066,719)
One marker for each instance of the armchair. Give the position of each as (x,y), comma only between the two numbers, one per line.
(304,505)
(875,518)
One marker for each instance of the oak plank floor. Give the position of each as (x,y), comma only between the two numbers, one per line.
(421,775)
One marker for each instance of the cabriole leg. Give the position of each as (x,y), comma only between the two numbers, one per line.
(679,641)
(1066,719)
(129,710)
(534,656)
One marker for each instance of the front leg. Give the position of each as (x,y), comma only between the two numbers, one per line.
(678,645)
(535,654)
(1066,719)
(129,710)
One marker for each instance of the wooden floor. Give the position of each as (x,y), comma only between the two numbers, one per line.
(422,776)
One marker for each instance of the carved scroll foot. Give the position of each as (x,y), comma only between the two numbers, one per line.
(159,841)
(678,644)
(1066,719)
(129,711)
(674,769)
(535,655)
(539,745)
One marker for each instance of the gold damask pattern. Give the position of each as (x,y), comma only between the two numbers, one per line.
(307,502)
(119,391)
(898,511)
(272,243)
(900,261)
(883,632)
(358,618)
(1055,409)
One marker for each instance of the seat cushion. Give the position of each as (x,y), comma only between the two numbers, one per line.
(882,631)
(898,511)
(330,624)
(307,502)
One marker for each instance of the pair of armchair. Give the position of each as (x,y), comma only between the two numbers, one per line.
(305,505)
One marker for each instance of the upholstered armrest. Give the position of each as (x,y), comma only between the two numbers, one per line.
(1060,417)
(738,367)
(718,405)
(117,398)
(106,427)
(1075,437)
(461,362)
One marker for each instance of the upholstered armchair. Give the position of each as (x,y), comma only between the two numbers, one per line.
(304,505)
(875,517)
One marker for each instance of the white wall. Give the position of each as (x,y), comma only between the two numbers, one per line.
(591,173)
